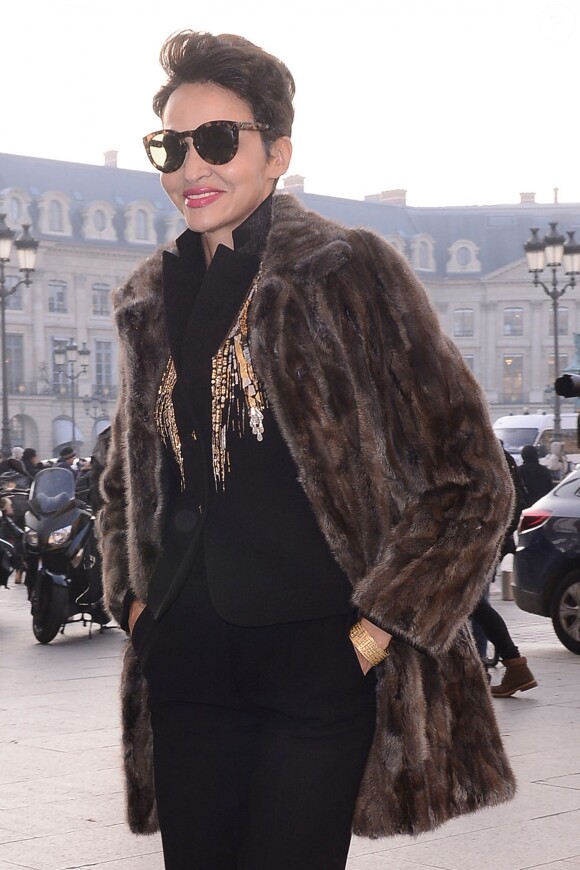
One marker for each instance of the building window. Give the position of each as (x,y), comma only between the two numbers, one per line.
(15,210)
(17,430)
(463,257)
(513,321)
(562,322)
(14,302)
(57,302)
(423,255)
(469,361)
(513,378)
(99,220)
(55,217)
(463,323)
(15,362)
(101,300)
(563,362)
(141,229)
(103,366)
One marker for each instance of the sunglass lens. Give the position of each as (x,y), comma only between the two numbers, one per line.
(167,152)
(216,142)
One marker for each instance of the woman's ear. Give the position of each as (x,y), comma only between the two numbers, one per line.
(280,155)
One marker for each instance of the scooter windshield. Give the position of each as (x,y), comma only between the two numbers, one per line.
(52,490)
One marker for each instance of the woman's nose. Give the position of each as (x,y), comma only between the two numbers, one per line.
(194,166)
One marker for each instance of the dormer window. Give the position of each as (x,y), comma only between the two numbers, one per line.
(98,221)
(423,253)
(54,218)
(140,225)
(463,257)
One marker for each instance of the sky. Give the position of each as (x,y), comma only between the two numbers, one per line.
(461,102)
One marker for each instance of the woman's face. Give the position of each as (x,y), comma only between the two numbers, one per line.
(216,199)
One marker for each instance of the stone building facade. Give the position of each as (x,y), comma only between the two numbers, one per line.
(95,223)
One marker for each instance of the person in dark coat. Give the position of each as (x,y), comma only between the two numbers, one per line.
(298,513)
(66,459)
(31,463)
(536,477)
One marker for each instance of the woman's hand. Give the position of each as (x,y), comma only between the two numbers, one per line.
(382,638)
(135,611)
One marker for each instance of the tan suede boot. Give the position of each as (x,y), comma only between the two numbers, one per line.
(517,677)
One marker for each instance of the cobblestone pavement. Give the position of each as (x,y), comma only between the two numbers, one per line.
(61,800)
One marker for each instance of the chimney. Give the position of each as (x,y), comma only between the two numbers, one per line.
(527,197)
(389,197)
(111,159)
(294,184)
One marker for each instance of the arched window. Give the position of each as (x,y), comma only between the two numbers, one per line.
(423,255)
(463,323)
(15,210)
(55,217)
(141,229)
(99,220)
(422,249)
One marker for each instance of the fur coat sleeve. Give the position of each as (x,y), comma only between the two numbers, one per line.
(390,432)
(130,520)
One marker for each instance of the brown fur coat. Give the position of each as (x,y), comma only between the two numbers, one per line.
(396,454)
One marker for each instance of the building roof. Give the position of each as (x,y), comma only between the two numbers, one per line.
(497,231)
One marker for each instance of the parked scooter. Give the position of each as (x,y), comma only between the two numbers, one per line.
(63,566)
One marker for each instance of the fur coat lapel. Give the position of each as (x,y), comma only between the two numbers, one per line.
(397,456)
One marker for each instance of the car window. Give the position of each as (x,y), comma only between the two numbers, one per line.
(514,439)
(569,439)
(569,487)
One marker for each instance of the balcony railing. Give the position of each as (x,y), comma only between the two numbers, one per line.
(512,398)
(102,392)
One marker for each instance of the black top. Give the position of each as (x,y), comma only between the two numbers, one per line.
(266,560)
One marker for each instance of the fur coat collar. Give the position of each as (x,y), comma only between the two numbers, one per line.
(396,454)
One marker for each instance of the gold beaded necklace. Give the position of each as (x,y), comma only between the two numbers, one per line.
(235,394)
(235,391)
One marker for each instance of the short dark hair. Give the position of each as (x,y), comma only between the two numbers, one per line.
(233,63)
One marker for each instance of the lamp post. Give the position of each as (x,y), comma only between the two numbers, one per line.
(552,252)
(26,248)
(66,357)
(96,408)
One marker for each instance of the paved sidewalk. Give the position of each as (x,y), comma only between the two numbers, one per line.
(61,800)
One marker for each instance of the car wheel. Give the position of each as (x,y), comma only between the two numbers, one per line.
(565,611)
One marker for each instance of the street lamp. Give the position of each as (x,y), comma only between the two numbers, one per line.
(96,408)
(26,248)
(66,357)
(551,252)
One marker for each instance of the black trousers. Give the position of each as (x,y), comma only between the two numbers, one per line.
(258,764)
(495,630)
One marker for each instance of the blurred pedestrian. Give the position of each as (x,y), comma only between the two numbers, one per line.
(557,463)
(31,462)
(66,459)
(535,476)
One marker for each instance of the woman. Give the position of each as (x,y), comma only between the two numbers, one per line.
(298,514)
